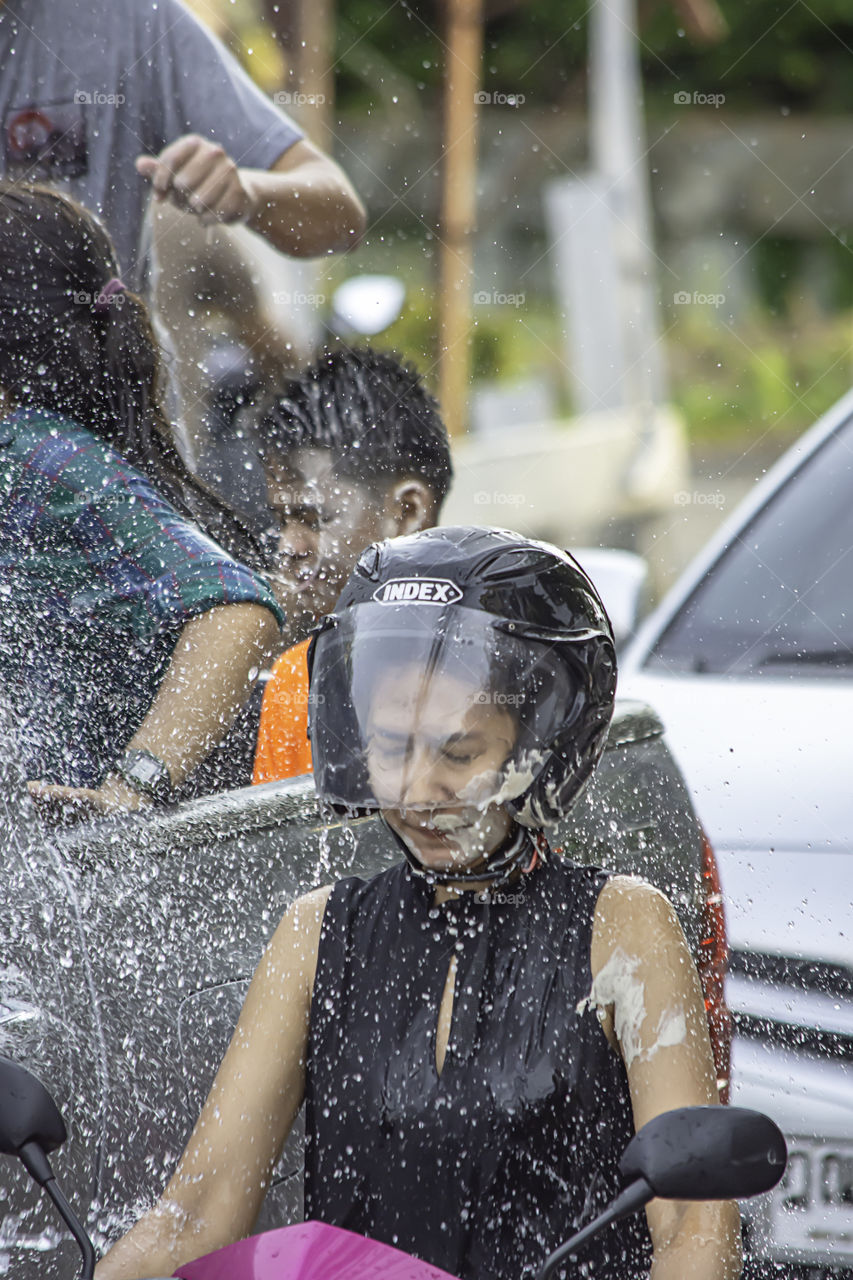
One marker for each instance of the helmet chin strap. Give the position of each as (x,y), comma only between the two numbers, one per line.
(494,869)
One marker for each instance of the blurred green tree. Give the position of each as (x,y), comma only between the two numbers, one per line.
(774,54)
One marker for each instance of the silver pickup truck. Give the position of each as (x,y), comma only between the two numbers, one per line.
(126,947)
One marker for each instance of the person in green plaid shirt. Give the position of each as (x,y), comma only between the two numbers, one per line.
(98,576)
(128,638)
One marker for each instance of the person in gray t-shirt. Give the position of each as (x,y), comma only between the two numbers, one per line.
(109,99)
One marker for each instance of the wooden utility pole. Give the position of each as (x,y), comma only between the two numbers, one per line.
(305,30)
(459,206)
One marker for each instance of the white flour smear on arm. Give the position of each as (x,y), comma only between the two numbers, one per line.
(616,984)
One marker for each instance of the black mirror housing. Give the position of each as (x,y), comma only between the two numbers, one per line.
(27,1111)
(707,1153)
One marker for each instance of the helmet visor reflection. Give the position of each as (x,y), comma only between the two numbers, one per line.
(418,708)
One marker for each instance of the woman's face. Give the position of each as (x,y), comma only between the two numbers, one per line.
(435,751)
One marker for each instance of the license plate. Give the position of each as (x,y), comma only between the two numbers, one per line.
(811,1210)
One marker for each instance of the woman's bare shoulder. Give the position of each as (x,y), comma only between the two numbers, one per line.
(296,942)
(633,915)
(307,910)
(622,895)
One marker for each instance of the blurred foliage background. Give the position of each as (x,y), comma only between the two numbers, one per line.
(774,53)
(775,363)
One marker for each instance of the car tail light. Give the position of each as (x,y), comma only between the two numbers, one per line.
(712,963)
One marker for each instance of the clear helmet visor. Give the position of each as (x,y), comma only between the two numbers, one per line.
(419,709)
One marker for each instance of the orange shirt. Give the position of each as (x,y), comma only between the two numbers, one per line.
(283,749)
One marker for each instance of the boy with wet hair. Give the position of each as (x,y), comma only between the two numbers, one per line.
(354,451)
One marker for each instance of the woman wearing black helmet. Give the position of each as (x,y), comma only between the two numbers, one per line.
(478,1030)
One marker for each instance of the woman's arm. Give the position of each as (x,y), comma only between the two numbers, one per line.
(210,676)
(214,666)
(218,1187)
(647,990)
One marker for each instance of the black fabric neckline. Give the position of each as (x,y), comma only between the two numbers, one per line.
(531,1107)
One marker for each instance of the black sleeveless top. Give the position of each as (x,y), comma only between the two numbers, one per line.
(484,1169)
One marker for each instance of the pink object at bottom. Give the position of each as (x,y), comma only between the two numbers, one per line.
(309,1251)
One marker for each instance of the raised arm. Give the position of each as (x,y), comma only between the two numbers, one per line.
(304,204)
(218,1187)
(647,991)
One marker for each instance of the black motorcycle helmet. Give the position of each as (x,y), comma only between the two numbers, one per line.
(516,619)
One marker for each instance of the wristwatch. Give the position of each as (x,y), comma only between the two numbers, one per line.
(142,771)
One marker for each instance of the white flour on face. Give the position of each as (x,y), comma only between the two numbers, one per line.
(472,834)
(480,791)
(450,821)
(519,777)
(494,787)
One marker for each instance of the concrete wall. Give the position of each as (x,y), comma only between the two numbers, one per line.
(585,480)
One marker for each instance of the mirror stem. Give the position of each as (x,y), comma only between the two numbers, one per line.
(36,1163)
(635,1195)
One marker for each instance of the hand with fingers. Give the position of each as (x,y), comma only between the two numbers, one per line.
(200,176)
(63,806)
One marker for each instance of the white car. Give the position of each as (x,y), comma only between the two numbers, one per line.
(749,663)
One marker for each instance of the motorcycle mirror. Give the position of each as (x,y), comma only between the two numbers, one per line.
(692,1153)
(30,1127)
(368,304)
(27,1112)
(707,1153)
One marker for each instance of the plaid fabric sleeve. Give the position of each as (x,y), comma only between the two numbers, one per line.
(117,550)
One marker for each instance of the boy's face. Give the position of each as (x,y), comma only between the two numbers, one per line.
(325,521)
